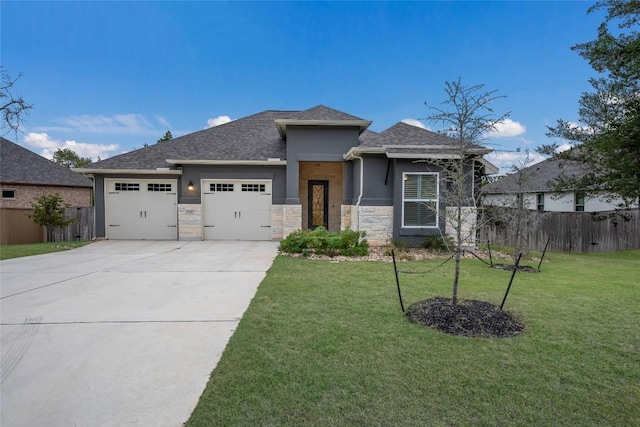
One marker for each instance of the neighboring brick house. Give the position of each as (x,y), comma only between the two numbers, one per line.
(25,176)
(262,176)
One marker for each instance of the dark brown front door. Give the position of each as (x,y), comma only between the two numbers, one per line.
(318,204)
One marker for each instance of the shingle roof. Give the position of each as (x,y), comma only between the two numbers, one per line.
(405,134)
(251,138)
(537,179)
(21,166)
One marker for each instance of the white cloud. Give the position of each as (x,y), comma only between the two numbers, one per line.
(134,124)
(414,122)
(217,121)
(505,160)
(507,128)
(83,149)
(563,147)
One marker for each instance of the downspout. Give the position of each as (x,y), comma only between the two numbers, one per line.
(361,187)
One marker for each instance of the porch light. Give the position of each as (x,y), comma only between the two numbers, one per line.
(190,186)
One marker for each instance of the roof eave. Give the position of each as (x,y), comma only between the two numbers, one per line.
(283,123)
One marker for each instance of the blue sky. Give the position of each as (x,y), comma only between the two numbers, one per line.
(107,77)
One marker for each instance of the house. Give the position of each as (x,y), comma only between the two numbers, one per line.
(535,185)
(25,176)
(263,176)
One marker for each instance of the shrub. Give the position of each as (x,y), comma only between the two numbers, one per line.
(320,241)
(438,243)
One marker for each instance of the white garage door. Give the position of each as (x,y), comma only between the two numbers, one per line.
(236,210)
(141,209)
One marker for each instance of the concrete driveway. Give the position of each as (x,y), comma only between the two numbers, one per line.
(120,333)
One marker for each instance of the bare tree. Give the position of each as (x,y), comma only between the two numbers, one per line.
(13,107)
(467,117)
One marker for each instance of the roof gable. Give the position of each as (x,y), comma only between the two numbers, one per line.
(21,166)
(320,112)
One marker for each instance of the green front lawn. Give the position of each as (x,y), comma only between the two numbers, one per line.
(326,344)
(18,251)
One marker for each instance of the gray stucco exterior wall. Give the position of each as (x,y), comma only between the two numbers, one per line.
(313,143)
(198,172)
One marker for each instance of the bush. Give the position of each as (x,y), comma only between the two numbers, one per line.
(438,243)
(320,241)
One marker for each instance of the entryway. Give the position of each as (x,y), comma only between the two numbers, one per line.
(321,193)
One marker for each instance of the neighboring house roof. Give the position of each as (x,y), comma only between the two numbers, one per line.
(21,166)
(536,178)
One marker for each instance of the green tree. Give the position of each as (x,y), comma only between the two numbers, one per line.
(467,117)
(166,137)
(607,141)
(12,106)
(49,211)
(69,158)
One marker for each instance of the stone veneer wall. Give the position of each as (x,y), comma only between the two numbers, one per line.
(345,217)
(376,221)
(189,222)
(469,221)
(277,222)
(291,219)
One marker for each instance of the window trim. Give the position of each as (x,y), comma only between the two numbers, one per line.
(15,194)
(436,200)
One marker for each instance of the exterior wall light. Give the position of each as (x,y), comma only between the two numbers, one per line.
(190,186)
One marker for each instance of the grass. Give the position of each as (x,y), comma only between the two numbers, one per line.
(326,344)
(18,251)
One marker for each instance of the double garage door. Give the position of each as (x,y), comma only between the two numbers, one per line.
(146,209)
(236,210)
(141,209)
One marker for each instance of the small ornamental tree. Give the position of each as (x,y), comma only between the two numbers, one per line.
(49,211)
(467,117)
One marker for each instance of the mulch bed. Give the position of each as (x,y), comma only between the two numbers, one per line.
(470,318)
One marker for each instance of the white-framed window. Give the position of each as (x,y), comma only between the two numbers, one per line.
(579,202)
(540,201)
(8,194)
(420,199)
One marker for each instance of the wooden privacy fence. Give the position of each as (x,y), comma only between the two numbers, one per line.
(578,232)
(17,228)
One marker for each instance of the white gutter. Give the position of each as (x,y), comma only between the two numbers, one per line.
(159,171)
(361,187)
(270,162)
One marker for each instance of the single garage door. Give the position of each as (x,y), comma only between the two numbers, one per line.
(141,209)
(236,210)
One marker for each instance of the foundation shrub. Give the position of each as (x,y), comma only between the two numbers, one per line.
(322,242)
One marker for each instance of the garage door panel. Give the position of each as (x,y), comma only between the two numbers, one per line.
(141,209)
(237,210)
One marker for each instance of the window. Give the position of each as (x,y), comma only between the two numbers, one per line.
(158,187)
(253,187)
(540,199)
(579,202)
(8,194)
(127,186)
(220,187)
(420,204)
